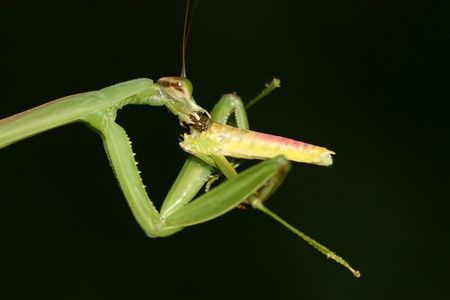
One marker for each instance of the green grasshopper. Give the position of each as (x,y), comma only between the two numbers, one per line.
(211,140)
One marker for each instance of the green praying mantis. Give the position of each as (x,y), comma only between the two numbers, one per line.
(213,137)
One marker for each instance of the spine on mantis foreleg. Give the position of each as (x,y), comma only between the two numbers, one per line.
(239,143)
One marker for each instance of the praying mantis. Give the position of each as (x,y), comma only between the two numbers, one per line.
(210,142)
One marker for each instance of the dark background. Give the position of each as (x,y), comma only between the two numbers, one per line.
(367,80)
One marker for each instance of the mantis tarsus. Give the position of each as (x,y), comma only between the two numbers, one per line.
(209,141)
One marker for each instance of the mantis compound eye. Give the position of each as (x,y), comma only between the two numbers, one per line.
(178,88)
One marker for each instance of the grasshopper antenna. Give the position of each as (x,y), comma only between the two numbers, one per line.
(187,29)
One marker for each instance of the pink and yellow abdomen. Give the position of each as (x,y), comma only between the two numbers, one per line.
(239,143)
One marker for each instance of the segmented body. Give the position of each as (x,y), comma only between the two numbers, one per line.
(239,143)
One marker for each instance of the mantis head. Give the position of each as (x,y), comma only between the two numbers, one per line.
(178,92)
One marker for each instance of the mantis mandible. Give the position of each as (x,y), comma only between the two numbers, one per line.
(210,141)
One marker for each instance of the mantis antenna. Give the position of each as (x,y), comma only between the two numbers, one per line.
(187,29)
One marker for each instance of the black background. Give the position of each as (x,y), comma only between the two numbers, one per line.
(363,78)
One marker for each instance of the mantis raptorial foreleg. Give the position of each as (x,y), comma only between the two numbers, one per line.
(177,212)
(195,171)
(233,192)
